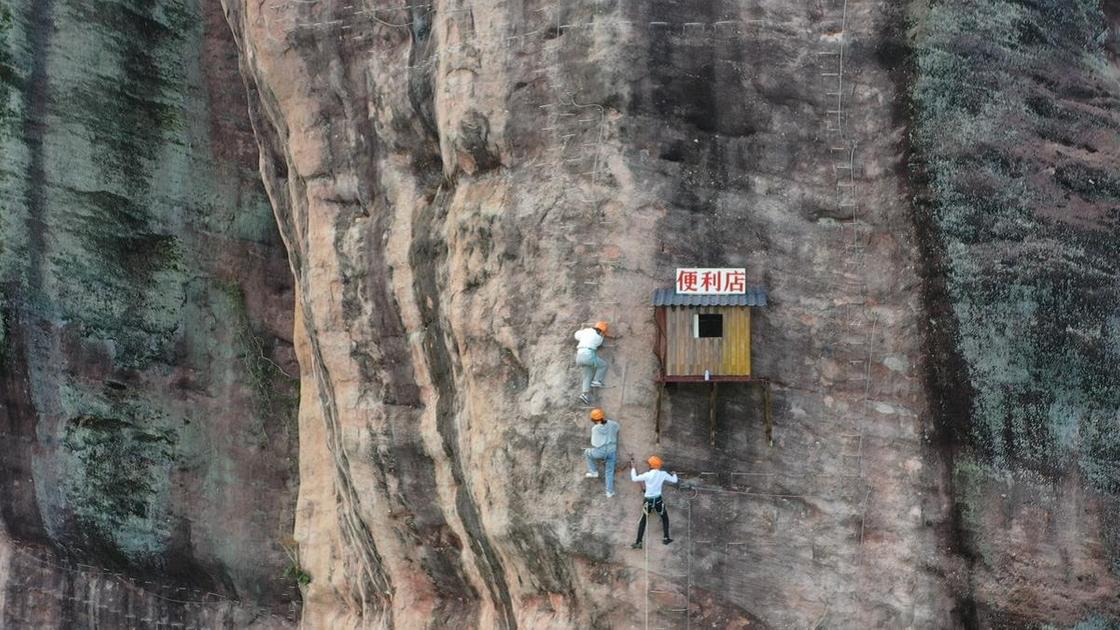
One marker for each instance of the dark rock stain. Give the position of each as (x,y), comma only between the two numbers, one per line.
(428,254)
(131,116)
(36,101)
(18,419)
(1046,309)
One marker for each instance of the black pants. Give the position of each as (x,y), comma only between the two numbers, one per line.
(654,504)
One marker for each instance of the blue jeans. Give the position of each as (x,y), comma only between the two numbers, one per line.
(607,453)
(592,366)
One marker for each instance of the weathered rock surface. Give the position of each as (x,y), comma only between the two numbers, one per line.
(148,426)
(1016,135)
(927,189)
(460,186)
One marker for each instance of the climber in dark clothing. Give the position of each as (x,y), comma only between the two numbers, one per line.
(650,506)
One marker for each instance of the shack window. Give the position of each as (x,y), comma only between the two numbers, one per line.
(707,325)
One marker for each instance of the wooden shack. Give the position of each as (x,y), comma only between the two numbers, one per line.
(705,339)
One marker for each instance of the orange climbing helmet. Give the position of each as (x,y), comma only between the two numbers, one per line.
(597,415)
(654,461)
(601,327)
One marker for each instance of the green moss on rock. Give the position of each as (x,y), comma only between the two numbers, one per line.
(121,218)
(1034,295)
(117,481)
(124,278)
(1090,183)
(275,392)
(970,503)
(131,116)
(9,77)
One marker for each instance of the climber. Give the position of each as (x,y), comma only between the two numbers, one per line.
(653,478)
(587,358)
(604,446)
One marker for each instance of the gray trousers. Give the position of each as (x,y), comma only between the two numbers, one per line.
(592,366)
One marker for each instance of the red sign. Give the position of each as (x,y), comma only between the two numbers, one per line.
(712,281)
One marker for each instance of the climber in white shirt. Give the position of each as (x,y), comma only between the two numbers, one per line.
(653,479)
(587,358)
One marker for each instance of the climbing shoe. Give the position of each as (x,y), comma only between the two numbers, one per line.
(585,399)
(597,384)
(636,546)
(666,541)
(610,494)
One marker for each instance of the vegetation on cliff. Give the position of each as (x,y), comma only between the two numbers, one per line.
(1012,109)
(144,284)
(1007,133)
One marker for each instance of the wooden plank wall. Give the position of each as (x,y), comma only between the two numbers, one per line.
(689,356)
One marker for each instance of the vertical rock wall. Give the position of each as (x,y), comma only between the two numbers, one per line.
(1015,142)
(148,415)
(460,186)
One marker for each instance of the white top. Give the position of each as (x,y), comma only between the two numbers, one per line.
(589,338)
(653,479)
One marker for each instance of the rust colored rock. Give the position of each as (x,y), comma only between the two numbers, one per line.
(927,190)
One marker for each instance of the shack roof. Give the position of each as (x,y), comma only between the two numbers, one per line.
(755,296)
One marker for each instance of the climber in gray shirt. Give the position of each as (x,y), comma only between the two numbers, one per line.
(604,446)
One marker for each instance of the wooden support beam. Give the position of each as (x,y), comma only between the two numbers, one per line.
(712,414)
(768,414)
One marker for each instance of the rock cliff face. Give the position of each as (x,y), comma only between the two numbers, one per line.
(1016,135)
(927,190)
(460,186)
(148,424)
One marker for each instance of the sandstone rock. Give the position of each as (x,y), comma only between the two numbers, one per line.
(926,189)
(522,170)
